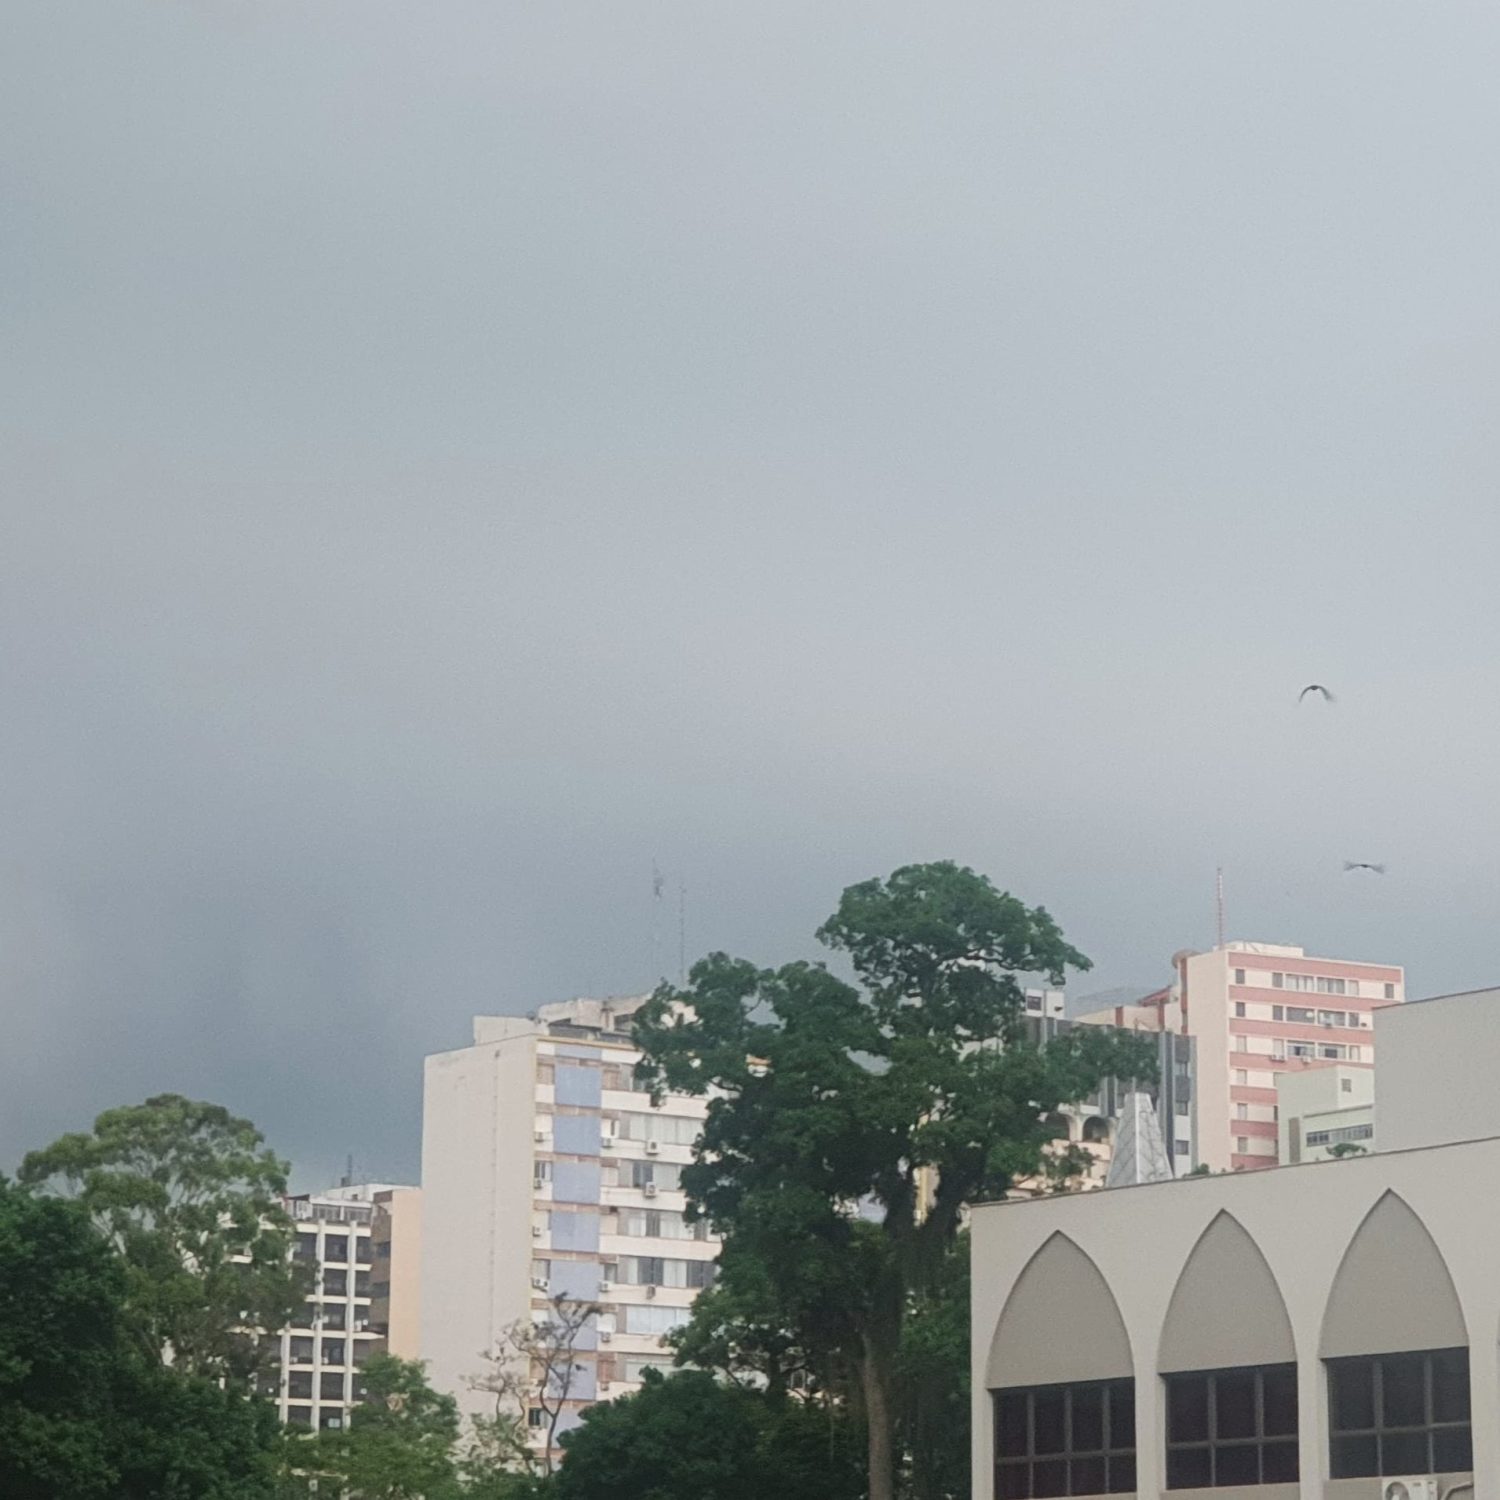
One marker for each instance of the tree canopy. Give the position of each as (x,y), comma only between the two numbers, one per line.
(190,1198)
(850,1122)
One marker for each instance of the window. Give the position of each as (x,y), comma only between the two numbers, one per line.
(1239,976)
(330,1419)
(1182,1149)
(670,1130)
(299,1385)
(1346,1085)
(1343,1133)
(636,1365)
(700,1274)
(1301,1049)
(336,1247)
(1065,1440)
(1400,1414)
(1232,1427)
(1278,1012)
(652,1317)
(306,1247)
(335,1283)
(1390,992)
(331,1385)
(1242,1111)
(1331,1018)
(361,1283)
(536,1417)
(299,1416)
(1239,1007)
(334,1314)
(299,1350)
(1300,1014)
(665,1175)
(333,1351)
(1278,981)
(1241,1077)
(362,1249)
(1242,1144)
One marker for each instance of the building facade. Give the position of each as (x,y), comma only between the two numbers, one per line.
(1303,1334)
(1324,1111)
(549,1176)
(322,1352)
(1256,1010)
(396,1275)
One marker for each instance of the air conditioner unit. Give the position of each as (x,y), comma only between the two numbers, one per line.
(605,1336)
(649,1190)
(605,1286)
(539,1135)
(607,1143)
(653,1148)
(650,1291)
(1411,1487)
(537,1231)
(540,1283)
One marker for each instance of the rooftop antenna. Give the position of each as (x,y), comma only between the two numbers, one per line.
(658,885)
(348,1171)
(1219,894)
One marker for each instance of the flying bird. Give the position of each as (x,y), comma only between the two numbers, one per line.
(1315,687)
(1357,864)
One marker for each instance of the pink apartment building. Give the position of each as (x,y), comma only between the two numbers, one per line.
(1256,1010)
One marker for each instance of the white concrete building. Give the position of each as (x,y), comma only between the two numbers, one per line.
(547,1173)
(321,1353)
(1324,1111)
(1312,1332)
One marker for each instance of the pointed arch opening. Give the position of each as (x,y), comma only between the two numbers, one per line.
(1060,1323)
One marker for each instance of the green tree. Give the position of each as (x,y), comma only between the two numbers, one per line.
(689,1437)
(850,1123)
(84,1413)
(399,1444)
(190,1198)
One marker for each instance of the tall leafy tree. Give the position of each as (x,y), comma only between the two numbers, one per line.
(689,1437)
(84,1412)
(190,1198)
(399,1445)
(850,1123)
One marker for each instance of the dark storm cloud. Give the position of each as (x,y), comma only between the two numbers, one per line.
(454,456)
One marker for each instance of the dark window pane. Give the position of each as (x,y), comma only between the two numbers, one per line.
(1013,1481)
(1450,1385)
(1088,1477)
(1121,1475)
(1049,1477)
(299,1416)
(1279,1401)
(1403,1393)
(1010,1423)
(1404,1453)
(1278,1463)
(1047,1408)
(1122,1415)
(1187,1409)
(1239,1463)
(1355,1458)
(1188,1468)
(1452,1450)
(299,1385)
(1353,1397)
(1234,1404)
(1088,1425)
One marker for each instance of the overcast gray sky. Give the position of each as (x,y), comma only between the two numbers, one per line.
(453,455)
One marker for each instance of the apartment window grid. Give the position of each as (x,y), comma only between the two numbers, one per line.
(1400,1414)
(1076,1439)
(1232,1427)
(1314,984)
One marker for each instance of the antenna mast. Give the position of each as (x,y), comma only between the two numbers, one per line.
(1219,894)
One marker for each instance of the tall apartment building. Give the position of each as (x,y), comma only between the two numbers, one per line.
(1255,1010)
(328,1342)
(395,1284)
(547,1174)
(1324,1112)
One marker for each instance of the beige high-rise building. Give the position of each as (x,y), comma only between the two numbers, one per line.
(396,1275)
(548,1175)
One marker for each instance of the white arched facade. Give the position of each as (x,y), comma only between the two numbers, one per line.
(1385,1255)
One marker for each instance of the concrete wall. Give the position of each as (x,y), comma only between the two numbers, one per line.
(403,1208)
(477,1119)
(1371,1254)
(1439,1060)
